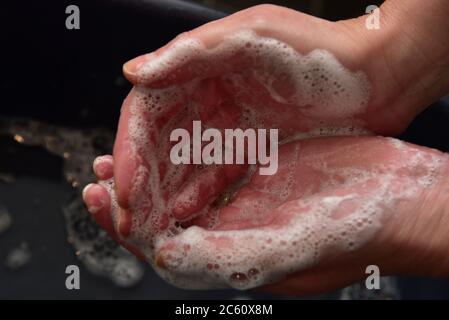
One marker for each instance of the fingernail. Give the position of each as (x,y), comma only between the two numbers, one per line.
(102,166)
(128,67)
(90,207)
(86,188)
(105,158)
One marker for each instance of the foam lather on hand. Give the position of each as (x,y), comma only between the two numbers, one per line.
(226,225)
(317,79)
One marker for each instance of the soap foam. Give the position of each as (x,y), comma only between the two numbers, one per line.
(311,234)
(320,82)
(327,97)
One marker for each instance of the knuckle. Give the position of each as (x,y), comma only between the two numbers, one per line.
(261,16)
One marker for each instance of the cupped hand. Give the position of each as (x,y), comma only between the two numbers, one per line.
(227,225)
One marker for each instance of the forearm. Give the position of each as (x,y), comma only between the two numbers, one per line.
(417,241)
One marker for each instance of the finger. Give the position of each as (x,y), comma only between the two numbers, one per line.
(140,140)
(191,55)
(125,160)
(203,188)
(103,167)
(98,203)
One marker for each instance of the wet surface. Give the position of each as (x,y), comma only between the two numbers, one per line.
(5,219)
(100,254)
(77,149)
(18,257)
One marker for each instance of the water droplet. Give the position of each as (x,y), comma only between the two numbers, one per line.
(238,276)
(252,272)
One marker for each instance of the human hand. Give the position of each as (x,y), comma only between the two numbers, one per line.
(220,100)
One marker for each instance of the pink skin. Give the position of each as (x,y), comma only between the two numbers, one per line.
(334,37)
(98,200)
(337,154)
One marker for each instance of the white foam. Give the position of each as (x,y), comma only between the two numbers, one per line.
(302,242)
(319,81)
(328,98)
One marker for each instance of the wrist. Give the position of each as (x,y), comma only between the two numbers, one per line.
(406,59)
(416,45)
(418,239)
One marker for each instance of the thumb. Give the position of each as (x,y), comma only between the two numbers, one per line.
(199,53)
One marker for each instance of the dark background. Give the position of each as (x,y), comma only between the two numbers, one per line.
(73,78)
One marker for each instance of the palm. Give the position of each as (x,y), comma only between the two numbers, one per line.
(200,225)
(317,200)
